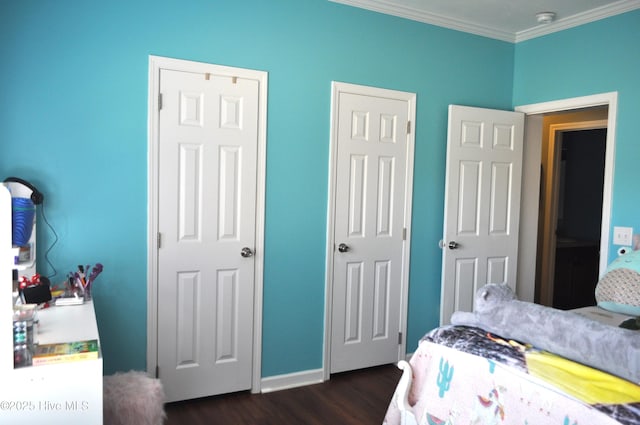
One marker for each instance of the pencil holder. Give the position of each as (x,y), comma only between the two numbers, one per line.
(87,292)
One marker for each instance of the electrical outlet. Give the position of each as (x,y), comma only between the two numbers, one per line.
(622,235)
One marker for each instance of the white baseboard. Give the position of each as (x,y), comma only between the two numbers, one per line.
(291,380)
(296,379)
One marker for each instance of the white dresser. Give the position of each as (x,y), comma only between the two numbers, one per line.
(65,393)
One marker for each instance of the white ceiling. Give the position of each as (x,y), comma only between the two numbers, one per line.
(508,20)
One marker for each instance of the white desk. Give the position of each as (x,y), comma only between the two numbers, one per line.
(67,324)
(65,393)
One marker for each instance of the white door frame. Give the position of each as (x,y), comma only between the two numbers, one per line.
(157,63)
(336,88)
(531,179)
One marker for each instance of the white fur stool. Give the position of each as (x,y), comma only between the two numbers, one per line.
(132,398)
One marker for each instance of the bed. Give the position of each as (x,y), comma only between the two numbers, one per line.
(465,375)
(519,363)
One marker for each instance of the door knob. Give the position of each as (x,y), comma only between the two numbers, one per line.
(343,247)
(246,252)
(453,245)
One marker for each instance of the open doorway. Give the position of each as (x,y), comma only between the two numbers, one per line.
(578,218)
(571,207)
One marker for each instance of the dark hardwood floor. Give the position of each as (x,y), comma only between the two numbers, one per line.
(358,397)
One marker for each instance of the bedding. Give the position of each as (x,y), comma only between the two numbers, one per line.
(465,375)
(497,310)
(612,349)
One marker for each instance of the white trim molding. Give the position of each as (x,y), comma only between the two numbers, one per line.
(604,99)
(393,8)
(592,15)
(292,380)
(401,11)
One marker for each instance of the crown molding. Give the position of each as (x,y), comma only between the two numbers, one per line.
(578,19)
(389,8)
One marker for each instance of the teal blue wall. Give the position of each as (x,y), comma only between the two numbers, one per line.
(73,115)
(599,57)
(73,120)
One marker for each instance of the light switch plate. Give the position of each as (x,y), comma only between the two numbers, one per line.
(622,235)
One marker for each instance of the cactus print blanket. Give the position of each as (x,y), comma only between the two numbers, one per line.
(462,375)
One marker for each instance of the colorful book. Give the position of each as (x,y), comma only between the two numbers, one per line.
(65,352)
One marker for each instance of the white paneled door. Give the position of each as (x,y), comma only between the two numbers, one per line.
(208,143)
(372,142)
(482,203)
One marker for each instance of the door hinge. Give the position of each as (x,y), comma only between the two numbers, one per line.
(408,127)
(159,239)
(159,101)
(404,233)
(157,371)
(399,338)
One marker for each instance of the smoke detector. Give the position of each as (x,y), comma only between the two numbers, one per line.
(545,17)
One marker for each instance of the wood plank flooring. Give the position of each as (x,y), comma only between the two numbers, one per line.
(358,397)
